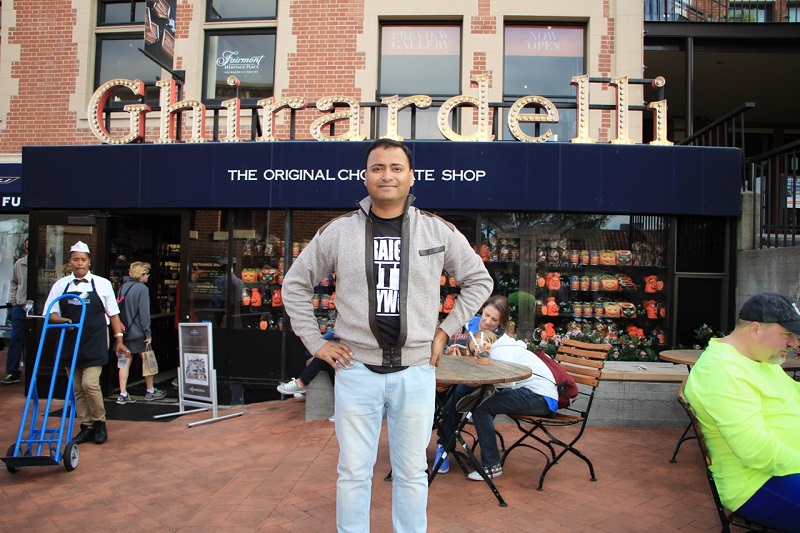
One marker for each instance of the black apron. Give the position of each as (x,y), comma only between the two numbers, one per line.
(93,350)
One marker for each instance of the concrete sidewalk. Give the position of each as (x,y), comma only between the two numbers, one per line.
(268,470)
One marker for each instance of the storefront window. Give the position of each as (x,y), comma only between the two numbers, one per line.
(304,226)
(594,277)
(261,249)
(241,10)
(234,274)
(250,56)
(420,59)
(13,232)
(541,60)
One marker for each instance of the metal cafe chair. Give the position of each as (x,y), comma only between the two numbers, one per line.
(726,519)
(584,361)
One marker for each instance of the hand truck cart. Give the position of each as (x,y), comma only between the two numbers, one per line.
(38,444)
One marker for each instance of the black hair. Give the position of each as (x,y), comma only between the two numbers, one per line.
(385,144)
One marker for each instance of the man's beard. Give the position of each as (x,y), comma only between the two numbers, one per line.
(777,359)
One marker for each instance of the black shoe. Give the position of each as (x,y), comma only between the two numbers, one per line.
(468,402)
(86,434)
(100,433)
(10,379)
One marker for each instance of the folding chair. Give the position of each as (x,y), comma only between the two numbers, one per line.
(584,361)
(726,519)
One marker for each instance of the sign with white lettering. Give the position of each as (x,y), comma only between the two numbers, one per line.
(10,186)
(248,57)
(508,176)
(542,59)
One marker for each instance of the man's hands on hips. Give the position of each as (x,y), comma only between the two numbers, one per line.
(335,354)
(437,346)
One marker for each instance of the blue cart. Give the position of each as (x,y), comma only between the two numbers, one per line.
(37,443)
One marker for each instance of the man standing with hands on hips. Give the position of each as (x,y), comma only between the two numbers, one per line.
(388,257)
(101,309)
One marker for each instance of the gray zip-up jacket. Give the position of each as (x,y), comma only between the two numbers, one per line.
(345,246)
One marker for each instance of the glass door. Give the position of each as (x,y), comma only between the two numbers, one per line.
(52,235)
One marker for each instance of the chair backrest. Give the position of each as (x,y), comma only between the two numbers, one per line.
(584,361)
(723,516)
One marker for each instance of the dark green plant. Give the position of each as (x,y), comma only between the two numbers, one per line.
(703,334)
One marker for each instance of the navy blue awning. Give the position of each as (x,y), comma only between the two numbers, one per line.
(499,175)
(10,186)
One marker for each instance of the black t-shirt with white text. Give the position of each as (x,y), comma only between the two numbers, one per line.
(386,269)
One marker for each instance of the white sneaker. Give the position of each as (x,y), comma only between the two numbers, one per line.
(291,387)
(331,419)
(492,472)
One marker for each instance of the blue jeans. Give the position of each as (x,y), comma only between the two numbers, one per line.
(14,355)
(521,401)
(776,504)
(361,398)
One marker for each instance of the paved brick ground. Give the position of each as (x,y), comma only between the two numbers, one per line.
(268,470)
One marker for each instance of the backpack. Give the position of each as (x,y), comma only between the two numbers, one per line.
(123,313)
(565,385)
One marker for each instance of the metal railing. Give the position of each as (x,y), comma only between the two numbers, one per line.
(747,11)
(775,179)
(726,131)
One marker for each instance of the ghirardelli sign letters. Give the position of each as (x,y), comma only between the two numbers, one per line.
(348,110)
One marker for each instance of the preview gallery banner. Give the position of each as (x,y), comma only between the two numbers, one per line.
(349,110)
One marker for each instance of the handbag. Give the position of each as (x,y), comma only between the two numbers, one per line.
(149,363)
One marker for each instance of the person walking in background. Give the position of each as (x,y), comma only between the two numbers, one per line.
(135,296)
(101,309)
(19,295)
(388,257)
(749,411)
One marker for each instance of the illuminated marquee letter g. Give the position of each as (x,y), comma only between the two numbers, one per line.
(137,111)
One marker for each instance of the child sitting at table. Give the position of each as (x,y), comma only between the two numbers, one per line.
(536,396)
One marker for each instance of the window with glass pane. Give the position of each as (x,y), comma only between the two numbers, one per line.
(120,12)
(420,59)
(250,56)
(241,9)
(208,258)
(793,14)
(258,244)
(541,60)
(741,13)
(118,56)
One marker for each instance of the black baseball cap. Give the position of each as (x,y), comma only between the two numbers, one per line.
(772,308)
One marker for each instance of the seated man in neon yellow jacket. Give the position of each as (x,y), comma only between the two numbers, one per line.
(749,411)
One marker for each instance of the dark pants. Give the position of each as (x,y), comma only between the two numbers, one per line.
(312,369)
(14,355)
(519,401)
